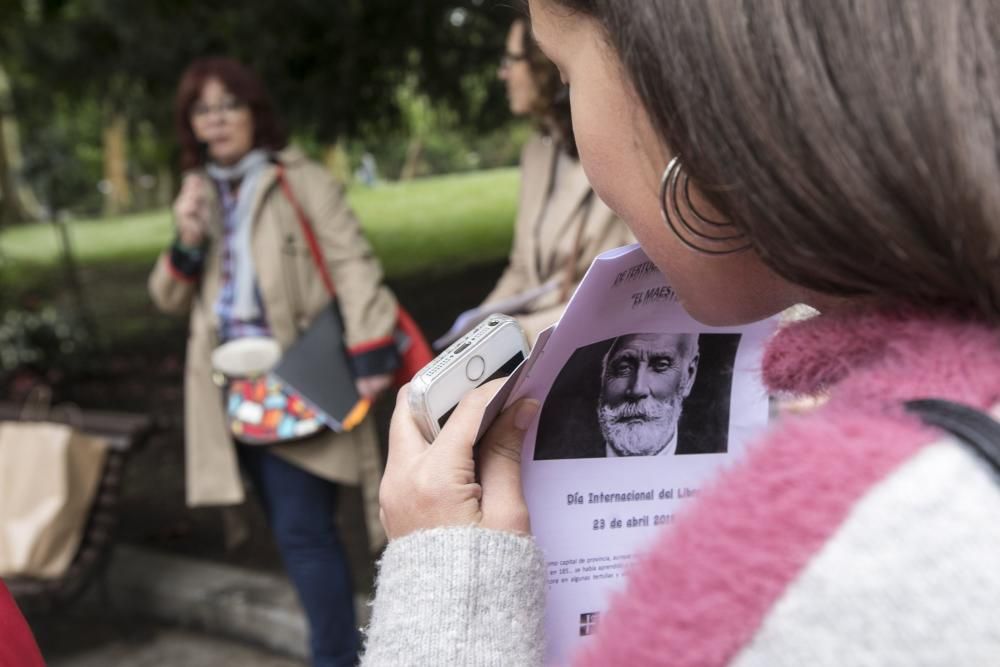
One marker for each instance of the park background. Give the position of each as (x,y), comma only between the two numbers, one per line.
(89,168)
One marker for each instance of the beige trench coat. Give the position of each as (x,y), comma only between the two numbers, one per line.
(292,294)
(558,240)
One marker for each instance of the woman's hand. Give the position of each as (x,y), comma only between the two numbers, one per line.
(432,485)
(189,210)
(371,386)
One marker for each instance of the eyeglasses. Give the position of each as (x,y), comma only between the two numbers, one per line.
(508,59)
(225,108)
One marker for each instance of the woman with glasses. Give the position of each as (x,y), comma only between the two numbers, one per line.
(241,266)
(561,224)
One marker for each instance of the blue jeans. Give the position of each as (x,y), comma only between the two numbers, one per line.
(300,508)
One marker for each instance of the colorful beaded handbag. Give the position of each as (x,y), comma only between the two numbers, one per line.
(311,388)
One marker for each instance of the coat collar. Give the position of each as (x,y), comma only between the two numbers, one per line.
(291,156)
(575,186)
(560,207)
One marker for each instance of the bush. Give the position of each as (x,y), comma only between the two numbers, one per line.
(42,340)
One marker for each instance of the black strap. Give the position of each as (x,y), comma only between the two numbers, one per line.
(973,427)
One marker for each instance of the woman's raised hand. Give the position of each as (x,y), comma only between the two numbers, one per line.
(431,485)
(189,208)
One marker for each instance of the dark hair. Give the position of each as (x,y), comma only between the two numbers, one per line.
(243,84)
(552,105)
(855,143)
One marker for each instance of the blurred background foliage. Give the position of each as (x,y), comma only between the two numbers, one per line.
(86,90)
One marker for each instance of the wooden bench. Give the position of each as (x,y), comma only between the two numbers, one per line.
(124,432)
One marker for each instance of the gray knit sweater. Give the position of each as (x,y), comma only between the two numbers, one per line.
(458,596)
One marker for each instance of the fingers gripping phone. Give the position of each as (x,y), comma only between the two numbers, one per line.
(494,349)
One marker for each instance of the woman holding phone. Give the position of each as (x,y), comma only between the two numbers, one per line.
(242,268)
(849,149)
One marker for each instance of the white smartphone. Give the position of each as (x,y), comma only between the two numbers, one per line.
(494,349)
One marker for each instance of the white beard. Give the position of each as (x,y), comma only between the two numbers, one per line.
(643,438)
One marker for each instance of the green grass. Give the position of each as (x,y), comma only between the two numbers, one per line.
(128,239)
(440,224)
(430,225)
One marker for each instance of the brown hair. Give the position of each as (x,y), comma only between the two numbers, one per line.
(243,84)
(552,104)
(856,143)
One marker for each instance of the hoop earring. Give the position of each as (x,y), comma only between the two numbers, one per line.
(671,207)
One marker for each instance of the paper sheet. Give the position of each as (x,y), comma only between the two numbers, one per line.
(641,405)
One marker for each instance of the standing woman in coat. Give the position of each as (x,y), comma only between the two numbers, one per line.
(561,224)
(241,267)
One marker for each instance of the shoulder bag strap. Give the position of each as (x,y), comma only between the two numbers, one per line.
(307,231)
(974,427)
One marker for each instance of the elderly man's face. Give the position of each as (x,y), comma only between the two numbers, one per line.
(645,380)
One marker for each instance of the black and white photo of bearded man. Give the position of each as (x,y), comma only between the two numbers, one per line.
(644,381)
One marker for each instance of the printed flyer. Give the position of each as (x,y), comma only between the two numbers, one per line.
(641,404)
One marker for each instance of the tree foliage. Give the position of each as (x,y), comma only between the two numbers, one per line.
(333,66)
(336,70)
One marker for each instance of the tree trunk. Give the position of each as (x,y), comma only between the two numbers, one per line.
(10,200)
(164,187)
(413,150)
(337,162)
(117,194)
